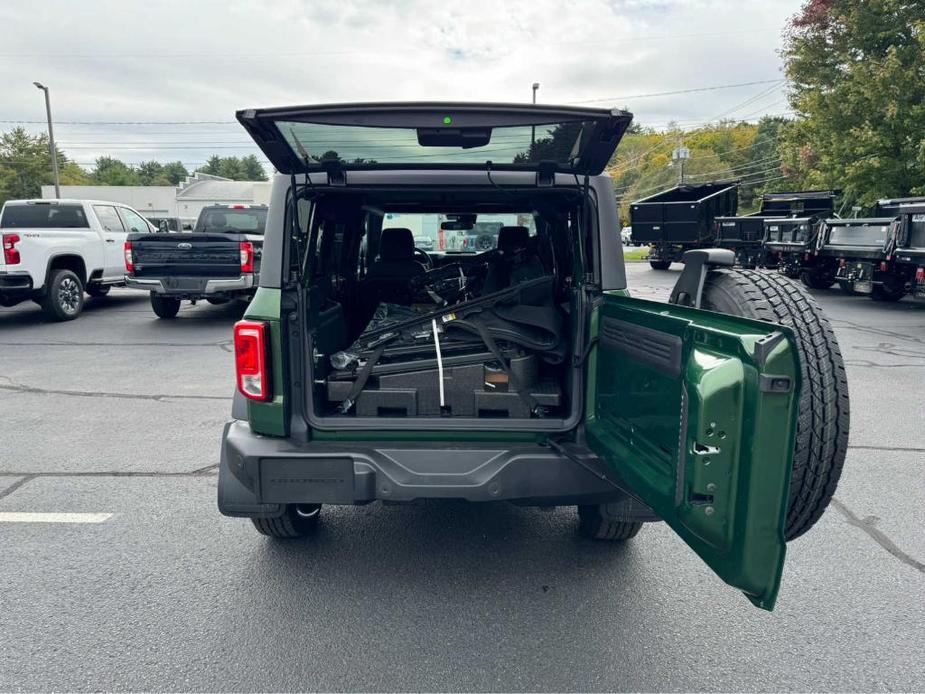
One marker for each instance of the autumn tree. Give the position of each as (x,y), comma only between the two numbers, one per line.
(857,74)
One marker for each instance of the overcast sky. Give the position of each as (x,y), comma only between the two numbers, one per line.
(201,60)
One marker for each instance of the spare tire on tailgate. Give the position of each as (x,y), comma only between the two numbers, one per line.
(822,429)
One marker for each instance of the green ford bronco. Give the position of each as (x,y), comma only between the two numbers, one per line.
(368,369)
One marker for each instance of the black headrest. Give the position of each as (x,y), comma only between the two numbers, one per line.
(512,239)
(396,244)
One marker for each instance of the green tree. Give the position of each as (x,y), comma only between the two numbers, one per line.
(857,73)
(114,172)
(236,168)
(25,166)
(175,172)
(151,173)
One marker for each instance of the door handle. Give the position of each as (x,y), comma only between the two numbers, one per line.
(110,240)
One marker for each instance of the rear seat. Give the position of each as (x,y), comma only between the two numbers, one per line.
(517,260)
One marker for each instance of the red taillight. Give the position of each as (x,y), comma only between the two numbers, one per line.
(247,256)
(842,263)
(884,266)
(129,263)
(920,274)
(10,254)
(239,207)
(250,359)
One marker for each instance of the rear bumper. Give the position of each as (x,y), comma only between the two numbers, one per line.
(192,287)
(15,286)
(259,475)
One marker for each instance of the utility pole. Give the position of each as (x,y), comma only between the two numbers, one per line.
(51,138)
(536,85)
(678,156)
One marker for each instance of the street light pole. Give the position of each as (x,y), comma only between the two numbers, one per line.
(51,138)
(536,85)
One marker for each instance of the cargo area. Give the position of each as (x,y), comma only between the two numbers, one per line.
(399,333)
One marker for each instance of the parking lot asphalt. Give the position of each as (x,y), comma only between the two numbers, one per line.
(120,413)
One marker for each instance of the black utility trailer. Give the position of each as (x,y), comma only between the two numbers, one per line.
(681,219)
(857,251)
(745,235)
(790,244)
(908,261)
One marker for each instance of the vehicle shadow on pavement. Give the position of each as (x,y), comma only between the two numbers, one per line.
(29,313)
(446,540)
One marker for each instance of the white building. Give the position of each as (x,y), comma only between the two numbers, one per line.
(185,200)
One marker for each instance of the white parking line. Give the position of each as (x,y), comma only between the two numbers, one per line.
(19,517)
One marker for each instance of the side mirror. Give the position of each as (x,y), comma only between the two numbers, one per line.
(163,227)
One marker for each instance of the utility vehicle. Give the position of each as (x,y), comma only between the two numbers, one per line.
(369,371)
(219,260)
(55,250)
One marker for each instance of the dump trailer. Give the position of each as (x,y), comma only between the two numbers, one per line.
(807,203)
(890,207)
(681,219)
(790,244)
(745,234)
(907,264)
(858,252)
(745,237)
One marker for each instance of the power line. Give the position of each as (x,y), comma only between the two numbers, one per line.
(679,91)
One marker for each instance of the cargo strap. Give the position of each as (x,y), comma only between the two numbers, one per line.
(533,407)
(362,377)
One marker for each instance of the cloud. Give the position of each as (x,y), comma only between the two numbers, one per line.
(192,61)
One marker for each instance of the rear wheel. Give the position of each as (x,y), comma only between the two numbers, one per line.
(98,290)
(888,291)
(595,525)
(822,427)
(64,297)
(165,306)
(817,279)
(660,264)
(297,521)
(847,287)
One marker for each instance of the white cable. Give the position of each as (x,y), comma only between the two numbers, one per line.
(433,323)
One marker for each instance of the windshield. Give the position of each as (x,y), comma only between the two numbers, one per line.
(859,234)
(429,234)
(44,215)
(244,220)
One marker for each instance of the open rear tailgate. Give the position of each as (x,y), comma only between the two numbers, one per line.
(302,139)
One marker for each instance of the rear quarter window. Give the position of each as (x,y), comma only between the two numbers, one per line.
(44,215)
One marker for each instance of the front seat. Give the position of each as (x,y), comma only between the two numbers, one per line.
(389,276)
(515,261)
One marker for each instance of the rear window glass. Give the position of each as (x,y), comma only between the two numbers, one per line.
(429,235)
(559,142)
(247,221)
(44,216)
(859,234)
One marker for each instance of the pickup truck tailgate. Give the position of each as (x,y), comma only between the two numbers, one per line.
(180,255)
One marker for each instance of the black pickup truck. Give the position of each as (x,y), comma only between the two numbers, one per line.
(218,261)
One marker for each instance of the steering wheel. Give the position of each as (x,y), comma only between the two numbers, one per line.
(424,258)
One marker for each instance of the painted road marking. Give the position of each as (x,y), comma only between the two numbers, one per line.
(18,517)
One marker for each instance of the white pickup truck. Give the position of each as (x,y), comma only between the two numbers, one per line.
(55,250)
